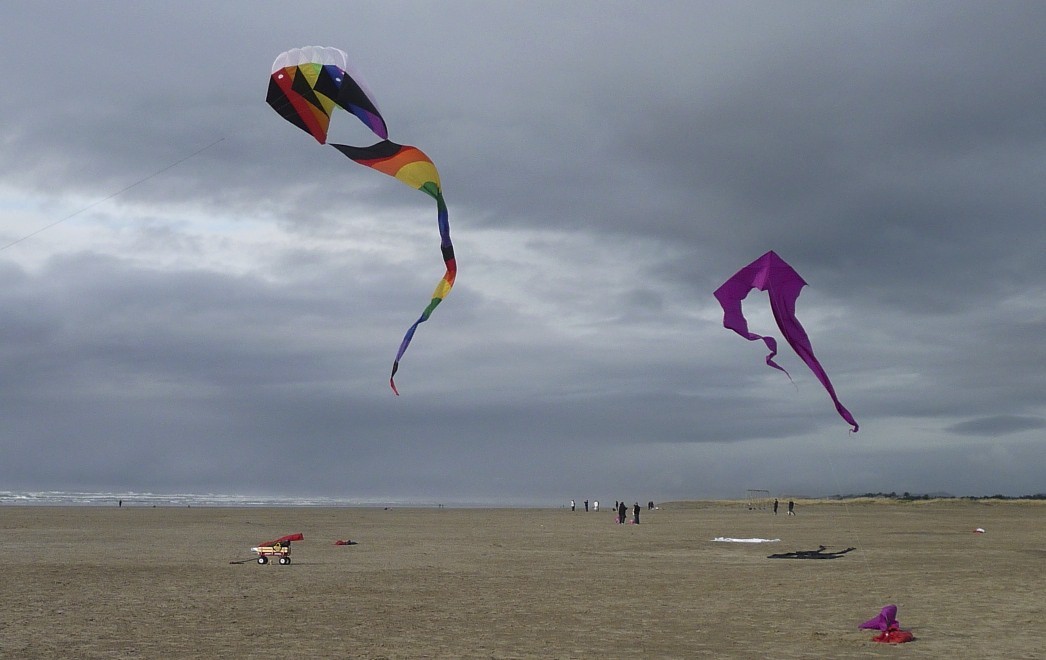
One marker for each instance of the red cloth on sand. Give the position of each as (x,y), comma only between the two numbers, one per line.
(894,636)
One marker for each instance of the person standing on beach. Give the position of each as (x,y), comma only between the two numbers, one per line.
(791,508)
(622,511)
(572,507)
(586,506)
(635,513)
(775,506)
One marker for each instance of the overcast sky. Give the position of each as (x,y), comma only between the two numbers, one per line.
(214,301)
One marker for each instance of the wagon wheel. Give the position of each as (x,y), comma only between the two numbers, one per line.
(285,560)
(263,560)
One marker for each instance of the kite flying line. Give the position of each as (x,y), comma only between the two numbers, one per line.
(115,194)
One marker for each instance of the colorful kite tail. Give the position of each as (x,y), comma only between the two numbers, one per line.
(442,289)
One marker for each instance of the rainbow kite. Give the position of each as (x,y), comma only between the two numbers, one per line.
(305,87)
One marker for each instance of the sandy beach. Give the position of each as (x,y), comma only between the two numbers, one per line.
(143,582)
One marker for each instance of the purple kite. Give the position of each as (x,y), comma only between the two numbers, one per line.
(887,619)
(890,628)
(772,274)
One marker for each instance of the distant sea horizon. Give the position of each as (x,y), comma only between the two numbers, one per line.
(148,499)
(227,500)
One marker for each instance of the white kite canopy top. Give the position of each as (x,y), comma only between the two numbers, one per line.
(311,54)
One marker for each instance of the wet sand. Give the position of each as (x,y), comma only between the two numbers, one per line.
(136,582)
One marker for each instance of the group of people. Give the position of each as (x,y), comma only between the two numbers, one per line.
(620,507)
(791,507)
(622,511)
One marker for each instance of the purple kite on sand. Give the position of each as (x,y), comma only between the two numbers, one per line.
(889,627)
(886,620)
(772,274)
